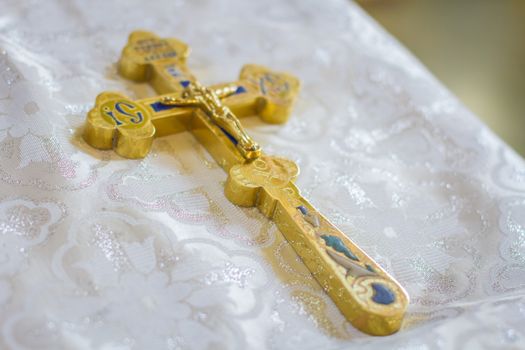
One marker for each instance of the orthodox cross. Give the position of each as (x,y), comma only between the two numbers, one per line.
(365,293)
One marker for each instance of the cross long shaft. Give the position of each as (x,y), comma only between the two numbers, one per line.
(367,295)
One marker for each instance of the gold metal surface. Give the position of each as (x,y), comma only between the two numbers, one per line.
(367,296)
(342,269)
(208,101)
(162,62)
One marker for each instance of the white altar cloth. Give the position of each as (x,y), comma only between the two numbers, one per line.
(99,252)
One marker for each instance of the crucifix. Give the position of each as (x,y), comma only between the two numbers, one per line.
(367,295)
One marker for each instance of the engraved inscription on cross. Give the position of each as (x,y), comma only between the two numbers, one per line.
(365,293)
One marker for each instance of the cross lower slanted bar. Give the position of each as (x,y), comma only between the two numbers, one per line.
(366,294)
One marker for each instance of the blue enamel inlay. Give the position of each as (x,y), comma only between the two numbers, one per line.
(303,209)
(232,139)
(184,83)
(370,268)
(173,71)
(339,246)
(383,294)
(136,118)
(159,107)
(240,89)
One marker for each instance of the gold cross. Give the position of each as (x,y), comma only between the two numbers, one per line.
(366,294)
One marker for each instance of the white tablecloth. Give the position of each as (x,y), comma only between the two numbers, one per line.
(99,252)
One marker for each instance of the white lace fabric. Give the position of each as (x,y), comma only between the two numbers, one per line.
(99,252)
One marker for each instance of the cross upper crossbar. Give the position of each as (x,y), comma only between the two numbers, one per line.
(366,294)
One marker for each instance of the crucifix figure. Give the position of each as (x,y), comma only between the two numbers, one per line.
(366,294)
